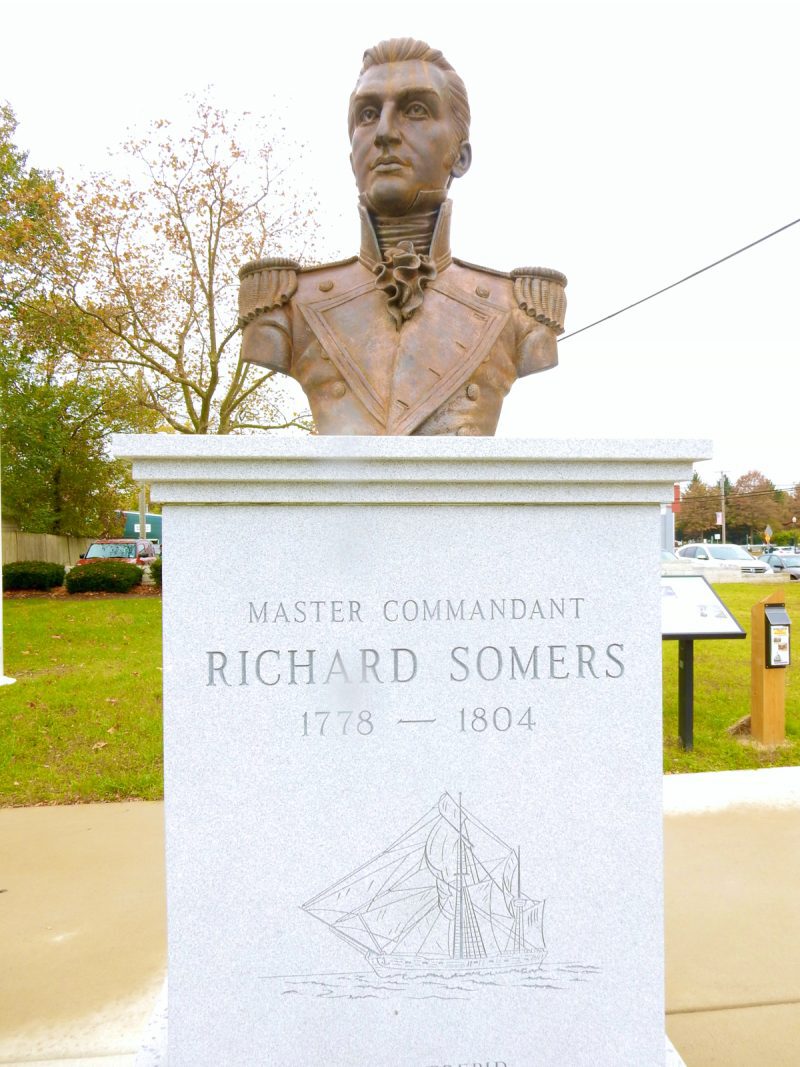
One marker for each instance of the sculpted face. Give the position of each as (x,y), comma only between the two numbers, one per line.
(404,137)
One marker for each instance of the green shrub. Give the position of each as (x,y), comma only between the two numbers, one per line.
(785,537)
(32,574)
(104,576)
(155,571)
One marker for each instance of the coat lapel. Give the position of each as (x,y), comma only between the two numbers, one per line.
(402,377)
(439,350)
(348,326)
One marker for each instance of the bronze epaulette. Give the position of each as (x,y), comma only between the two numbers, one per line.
(265,284)
(539,291)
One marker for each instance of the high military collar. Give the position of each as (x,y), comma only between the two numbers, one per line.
(372,257)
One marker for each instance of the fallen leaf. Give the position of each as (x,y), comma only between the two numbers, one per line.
(56,637)
(99,744)
(111,730)
(112,700)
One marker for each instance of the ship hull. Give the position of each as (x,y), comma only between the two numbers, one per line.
(419,966)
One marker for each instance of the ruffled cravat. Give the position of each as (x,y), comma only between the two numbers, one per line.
(406,253)
(403,275)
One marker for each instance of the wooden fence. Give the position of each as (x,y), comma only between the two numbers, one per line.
(52,548)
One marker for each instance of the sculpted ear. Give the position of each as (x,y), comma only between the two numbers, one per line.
(463,160)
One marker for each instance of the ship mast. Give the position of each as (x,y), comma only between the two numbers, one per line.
(519,910)
(458,929)
(467,939)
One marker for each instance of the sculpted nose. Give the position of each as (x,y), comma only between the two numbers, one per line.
(386,132)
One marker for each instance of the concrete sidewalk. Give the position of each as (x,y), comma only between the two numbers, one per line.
(83,931)
(83,928)
(732,859)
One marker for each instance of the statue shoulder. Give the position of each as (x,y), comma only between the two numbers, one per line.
(478,269)
(265,284)
(317,280)
(332,265)
(539,292)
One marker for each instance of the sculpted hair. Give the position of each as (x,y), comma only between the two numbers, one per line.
(405,48)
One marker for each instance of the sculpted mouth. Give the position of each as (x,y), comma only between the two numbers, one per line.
(387,161)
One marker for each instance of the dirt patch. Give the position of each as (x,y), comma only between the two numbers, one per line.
(61,594)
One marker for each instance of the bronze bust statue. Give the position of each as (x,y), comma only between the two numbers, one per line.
(403,338)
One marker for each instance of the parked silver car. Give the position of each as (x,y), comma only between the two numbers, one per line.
(783,563)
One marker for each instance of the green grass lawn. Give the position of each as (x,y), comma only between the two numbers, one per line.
(722,693)
(83,721)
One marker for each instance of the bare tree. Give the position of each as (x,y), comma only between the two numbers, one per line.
(153,261)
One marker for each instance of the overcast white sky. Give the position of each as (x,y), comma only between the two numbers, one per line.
(624,144)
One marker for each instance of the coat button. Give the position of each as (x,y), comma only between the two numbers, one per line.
(338,389)
(463,431)
(482,291)
(473,391)
(325,287)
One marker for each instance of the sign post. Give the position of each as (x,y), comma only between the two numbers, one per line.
(686,693)
(770,653)
(690,609)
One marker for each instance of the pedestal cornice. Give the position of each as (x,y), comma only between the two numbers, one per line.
(310,470)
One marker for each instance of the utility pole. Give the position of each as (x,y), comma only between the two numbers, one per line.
(142,512)
(722,492)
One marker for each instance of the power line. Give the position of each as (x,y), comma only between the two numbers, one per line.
(666,288)
(745,494)
(758,494)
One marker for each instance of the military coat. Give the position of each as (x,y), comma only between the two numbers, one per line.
(445,370)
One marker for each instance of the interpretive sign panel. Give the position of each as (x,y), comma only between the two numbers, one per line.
(413,761)
(691,609)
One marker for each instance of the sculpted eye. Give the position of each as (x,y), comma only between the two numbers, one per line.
(367,114)
(417,110)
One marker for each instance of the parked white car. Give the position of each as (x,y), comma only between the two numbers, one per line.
(721,557)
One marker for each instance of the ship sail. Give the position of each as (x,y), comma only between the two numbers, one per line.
(447,889)
(377,904)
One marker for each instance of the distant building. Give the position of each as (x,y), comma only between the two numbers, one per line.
(153,522)
(668,513)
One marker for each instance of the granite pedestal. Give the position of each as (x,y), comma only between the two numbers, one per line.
(413,748)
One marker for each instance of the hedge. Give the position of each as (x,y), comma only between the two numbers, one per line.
(155,571)
(32,574)
(104,576)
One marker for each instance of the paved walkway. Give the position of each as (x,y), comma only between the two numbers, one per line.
(83,930)
(732,856)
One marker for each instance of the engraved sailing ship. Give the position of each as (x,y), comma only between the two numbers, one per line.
(444,899)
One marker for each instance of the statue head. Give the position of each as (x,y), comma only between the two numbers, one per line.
(409,127)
